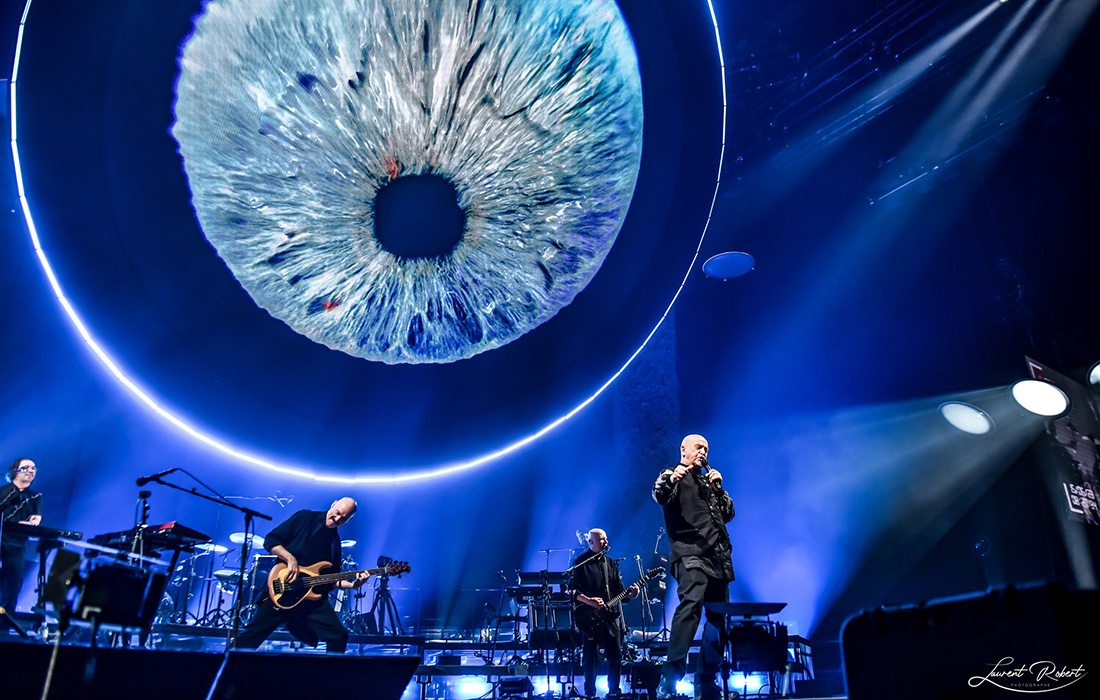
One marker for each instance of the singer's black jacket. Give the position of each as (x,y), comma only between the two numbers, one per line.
(695,516)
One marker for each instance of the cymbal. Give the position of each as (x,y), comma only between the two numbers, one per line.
(239,537)
(227,576)
(211,547)
(347,543)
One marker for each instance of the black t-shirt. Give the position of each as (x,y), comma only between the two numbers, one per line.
(305,536)
(21,505)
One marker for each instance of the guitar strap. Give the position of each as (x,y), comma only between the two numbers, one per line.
(606,578)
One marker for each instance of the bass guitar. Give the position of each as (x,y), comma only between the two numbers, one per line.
(287,595)
(591,620)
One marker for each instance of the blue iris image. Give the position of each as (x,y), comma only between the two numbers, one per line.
(410,181)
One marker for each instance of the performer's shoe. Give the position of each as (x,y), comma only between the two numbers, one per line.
(666,690)
(706,688)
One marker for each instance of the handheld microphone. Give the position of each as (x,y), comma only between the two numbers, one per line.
(142,481)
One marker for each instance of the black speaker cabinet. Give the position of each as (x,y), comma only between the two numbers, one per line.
(1033,641)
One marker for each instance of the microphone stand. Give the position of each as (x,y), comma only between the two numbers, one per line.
(249,514)
(664,624)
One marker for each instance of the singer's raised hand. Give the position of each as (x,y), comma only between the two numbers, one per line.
(715,478)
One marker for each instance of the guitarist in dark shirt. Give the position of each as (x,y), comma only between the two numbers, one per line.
(596,581)
(308,537)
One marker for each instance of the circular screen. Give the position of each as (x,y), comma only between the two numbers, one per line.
(295,118)
(137,226)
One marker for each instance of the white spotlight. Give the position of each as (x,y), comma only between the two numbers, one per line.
(1094,375)
(1041,398)
(967,418)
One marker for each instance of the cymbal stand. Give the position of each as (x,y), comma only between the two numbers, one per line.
(492,652)
(548,620)
(345,604)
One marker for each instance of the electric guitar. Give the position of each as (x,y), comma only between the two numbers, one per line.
(590,620)
(286,595)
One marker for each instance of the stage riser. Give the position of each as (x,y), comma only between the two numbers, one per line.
(172,675)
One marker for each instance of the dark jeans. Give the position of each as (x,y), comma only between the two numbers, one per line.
(694,589)
(310,622)
(611,643)
(13,568)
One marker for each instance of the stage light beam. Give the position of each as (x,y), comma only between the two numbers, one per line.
(967,418)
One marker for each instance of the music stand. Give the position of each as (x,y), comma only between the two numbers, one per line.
(752,642)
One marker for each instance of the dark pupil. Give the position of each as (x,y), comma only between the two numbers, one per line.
(418,216)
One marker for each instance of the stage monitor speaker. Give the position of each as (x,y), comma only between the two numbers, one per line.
(82,672)
(757,648)
(1009,642)
(118,594)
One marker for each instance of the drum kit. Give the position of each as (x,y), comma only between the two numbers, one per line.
(204,587)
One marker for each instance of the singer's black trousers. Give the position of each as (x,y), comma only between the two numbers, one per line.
(695,587)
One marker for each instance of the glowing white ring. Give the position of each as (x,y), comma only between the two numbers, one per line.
(105,359)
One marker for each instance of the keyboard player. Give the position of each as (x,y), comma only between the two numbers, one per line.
(19,503)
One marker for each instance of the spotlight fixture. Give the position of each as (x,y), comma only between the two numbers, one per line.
(1041,398)
(726,266)
(1094,375)
(967,418)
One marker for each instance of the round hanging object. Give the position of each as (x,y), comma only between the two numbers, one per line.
(726,266)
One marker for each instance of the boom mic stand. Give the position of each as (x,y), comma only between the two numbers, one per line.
(248,513)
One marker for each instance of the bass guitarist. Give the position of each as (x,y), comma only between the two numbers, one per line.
(307,537)
(595,581)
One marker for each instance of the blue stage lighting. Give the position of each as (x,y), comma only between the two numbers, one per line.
(473,688)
